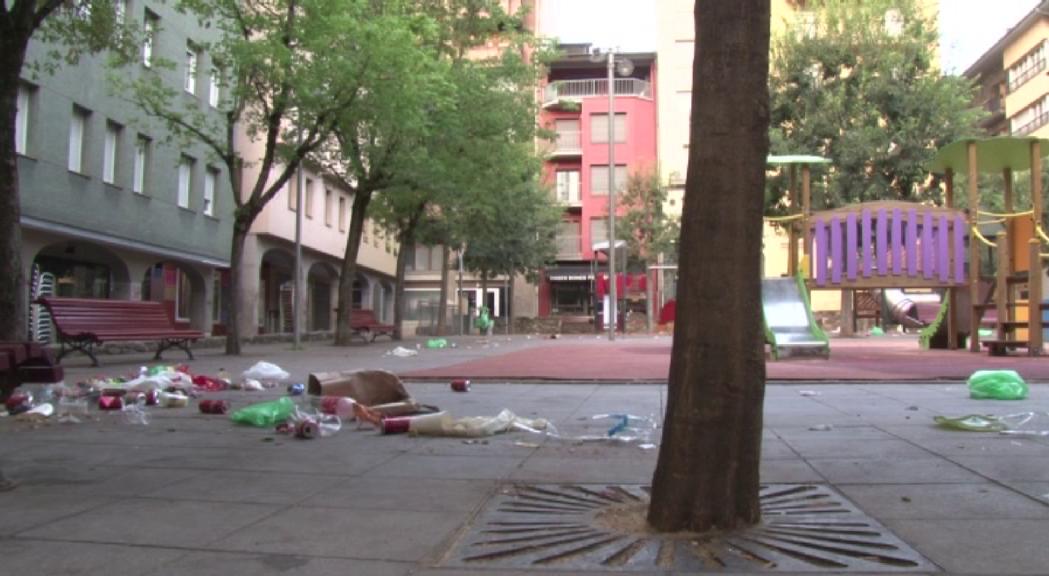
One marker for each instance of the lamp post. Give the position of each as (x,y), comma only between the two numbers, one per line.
(623,67)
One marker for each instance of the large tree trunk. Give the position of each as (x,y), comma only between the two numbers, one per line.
(13,289)
(707,474)
(442,304)
(343,333)
(236,258)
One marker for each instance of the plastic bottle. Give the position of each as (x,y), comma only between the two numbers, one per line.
(337,405)
(224,376)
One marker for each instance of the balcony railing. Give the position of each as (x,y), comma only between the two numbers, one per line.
(1027,75)
(569,246)
(568,143)
(1033,125)
(579,89)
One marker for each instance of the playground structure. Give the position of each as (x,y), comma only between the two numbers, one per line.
(890,245)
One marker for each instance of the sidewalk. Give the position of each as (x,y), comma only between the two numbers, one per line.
(193,494)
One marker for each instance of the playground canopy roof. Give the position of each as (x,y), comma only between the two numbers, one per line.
(788,159)
(992,154)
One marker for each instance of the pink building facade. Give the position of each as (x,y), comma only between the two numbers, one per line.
(575,107)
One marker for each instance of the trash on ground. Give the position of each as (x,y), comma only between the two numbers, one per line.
(1019,424)
(877,331)
(646,446)
(266,373)
(41,411)
(997,385)
(443,424)
(308,425)
(265,414)
(628,427)
(526,444)
(402,352)
(821,428)
(252,385)
(808,393)
(296,389)
(210,384)
(368,387)
(340,406)
(135,413)
(213,406)
(435,343)
(461,385)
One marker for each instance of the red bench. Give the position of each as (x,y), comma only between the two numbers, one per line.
(363,323)
(26,363)
(82,323)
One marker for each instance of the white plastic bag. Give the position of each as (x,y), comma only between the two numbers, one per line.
(265,372)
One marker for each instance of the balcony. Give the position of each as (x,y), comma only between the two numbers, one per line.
(569,246)
(1038,121)
(1031,72)
(568,144)
(575,90)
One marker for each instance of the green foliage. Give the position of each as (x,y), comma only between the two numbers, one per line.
(645,228)
(872,101)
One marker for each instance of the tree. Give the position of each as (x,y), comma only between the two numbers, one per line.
(706,477)
(646,229)
(423,133)
(83,27)
(859,84)
(292,69)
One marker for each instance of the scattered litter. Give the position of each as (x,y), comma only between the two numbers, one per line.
(472,441)
(435,343)
(525,444)
(808,393)
(265,414)
(646,446)
(402,352)
(210,384)
(338,405)
(309,425)
(461,385)
(213,406)
(443,424)
(1019,424)
(821,428)
(266,373)
(110,402)
(39,412)
(71,410)
(135,413)
(367,387)
(296,389)
(173,400)
(877,331)
(912,408)
(252,385)
(997,385)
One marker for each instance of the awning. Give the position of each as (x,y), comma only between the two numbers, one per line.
(569,274)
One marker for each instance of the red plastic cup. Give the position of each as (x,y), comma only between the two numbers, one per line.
(395,425)
(329,404)
(110,403)
(213,406)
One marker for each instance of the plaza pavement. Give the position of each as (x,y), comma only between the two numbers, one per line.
(194,494)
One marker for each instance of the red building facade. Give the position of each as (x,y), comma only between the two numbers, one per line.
(575,107)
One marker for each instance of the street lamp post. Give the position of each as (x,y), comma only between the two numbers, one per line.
(625,67)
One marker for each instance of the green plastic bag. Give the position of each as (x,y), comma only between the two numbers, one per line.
(436,343)
(484,322)
(265,414)
(997,385)
(877,331)
(972,423)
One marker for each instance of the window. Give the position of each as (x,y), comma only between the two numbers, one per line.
(293,199)
(327,207)
(185,181)
(149,35)
(599,128)
(568,186)
(183,296)
(425,258)
(190,82)
(24,109)
(598,230)
(210,178)
(568,134)
(214,88)
(77,130)
(111,152)
(138,181)
(599,179)
(342,213)
(308,198)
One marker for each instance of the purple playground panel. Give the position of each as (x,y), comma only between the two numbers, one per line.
(915,243)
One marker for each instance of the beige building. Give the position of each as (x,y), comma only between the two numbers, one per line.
(1014,86)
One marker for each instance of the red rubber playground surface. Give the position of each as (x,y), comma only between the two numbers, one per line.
(892,358)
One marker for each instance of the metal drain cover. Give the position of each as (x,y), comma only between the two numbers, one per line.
(804,528)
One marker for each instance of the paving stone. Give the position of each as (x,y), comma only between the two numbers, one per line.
(943,501)
(633,471)
(788,472)
(964,444)
(448,467)
(25,507)
(76,559)
(348,533)
(830,447)
(268,488)
(1007,468)
(155,522)
(931,470)
(1037,490)
(235,564)
(419,494)
(979,546)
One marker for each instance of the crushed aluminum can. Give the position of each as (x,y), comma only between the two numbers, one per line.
(461,385)
(307,429)
(296,389)
(213,406)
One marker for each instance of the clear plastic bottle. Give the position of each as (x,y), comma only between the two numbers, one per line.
(340,406)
